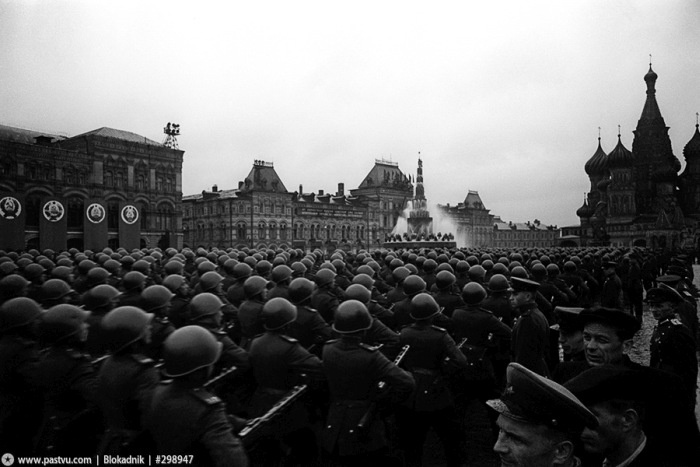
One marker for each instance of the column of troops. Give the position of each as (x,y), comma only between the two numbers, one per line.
(281,357)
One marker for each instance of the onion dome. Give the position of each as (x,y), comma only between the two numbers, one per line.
(585,211)
(651,76)
(620,157)
(604,184)
(692,149)
(597,164)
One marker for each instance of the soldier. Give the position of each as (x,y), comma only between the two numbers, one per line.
(612,287)
(156,299)
(125,381)
(250,311)
(570,333)
(281,276)
(672,344)
(55,292)
(634,288)
(183,417)
(280,363)
(431,404)
(540,421)
(377,301)
(99,301)
(378,333)
(324,298)
(20,399)
(66,376)
(235,293)
(531,330)
(498,300)
(177,284)
(353,371)
(397,294)
(412,286)
(309,328)
(132,285)
(445,296)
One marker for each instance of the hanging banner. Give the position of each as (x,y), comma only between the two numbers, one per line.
(95,225)
(13,216)
(129,226)
(53,224)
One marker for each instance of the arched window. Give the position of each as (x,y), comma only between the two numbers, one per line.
(261,230)
(109,178)
(283,232)
(273,231)
(75,215)
(241,233)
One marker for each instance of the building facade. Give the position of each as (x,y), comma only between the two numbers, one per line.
(103,188)
(637,197)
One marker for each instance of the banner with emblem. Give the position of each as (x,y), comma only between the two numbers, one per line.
(13,216)
(129,226)
(53,224)
(95,224)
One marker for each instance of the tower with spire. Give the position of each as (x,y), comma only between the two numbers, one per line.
(419,221)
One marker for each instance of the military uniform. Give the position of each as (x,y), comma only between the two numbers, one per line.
(530,339)
(250,319)
(309,328)
(71,418)
(673,349)
(449,301)
(235,294)
(611,296)
(353,371)
(124,384)
(500,306)
(326,302)
(191,421)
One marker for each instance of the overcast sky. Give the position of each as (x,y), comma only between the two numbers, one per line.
(502,97)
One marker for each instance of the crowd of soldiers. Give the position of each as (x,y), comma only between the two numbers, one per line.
(283,357)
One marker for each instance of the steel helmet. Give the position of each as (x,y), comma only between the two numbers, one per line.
(400,274)
(424,306)
(173,282)
(97,275)
(324,277)
(85,265)
(413,285)
(552,269)
(204,304)
(429,265)
(298,268)
(13,285)
(352,316)
(155,297)
(476,273)
(55,289)
(300,290)
(205,266)
(125,325)
(474,293)
(538,270)
(229,265)
(445,267)
(358,292)
(210,280)
(254,286)
(277,313)
(100,297)
(173,267)
(34,271)
(364,280)
(364,269)
(242,271)
(18,312)
(499,268)
(189,349)
(444,280)
(133,280)
(62,321)
(281,273)
(263,267)
(519,271)
(498,283)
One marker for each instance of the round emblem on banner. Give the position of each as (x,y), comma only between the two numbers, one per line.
(95,213)
(10,208)
(130,214)
(54,211)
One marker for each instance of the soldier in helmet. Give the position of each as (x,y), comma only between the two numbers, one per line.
(432,403)
(250,311)
(353,371)
(378,333)
(445,295)
(55,292)
(397,294)
(183,417)
(99,301)
(126,380)
(156,299)
(13,286)
(309,328)
(279,364)
(133,284)
(179,304)
(69,383)
(412,286)
(377,301)
(20,399)
(324,298)
(281,276)
(611,295)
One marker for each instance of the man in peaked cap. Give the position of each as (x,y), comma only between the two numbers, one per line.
(539,421)
(612,287)
(531,330)
(570,328)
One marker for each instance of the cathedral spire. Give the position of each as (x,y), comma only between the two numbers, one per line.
(651,115)
(420,191)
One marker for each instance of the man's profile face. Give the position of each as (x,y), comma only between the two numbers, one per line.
(603,346)
(522,444)
(608,436)
(520,298)
(662,310)
(571,341)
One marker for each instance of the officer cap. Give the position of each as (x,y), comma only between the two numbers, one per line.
(664,293)
(133,279)
(125,325)
(155,297)
(210,280)
(531,398)
(324,277)
(300,290)
(281,273)
(498,283)
(524,285)
(624,323)
(413,285)
(358,292)
(569,318)
(254,286)
(62,321)
(609,382)
(444,280)
(669,279)
(277,313)
(424,306)
(189,349)
(474,293)
(204,304)
(351,316)
(18,312)
(99,297)
(54,289)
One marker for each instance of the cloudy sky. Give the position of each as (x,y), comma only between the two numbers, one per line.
(503,97)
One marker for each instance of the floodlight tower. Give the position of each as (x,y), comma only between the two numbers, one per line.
(171,130)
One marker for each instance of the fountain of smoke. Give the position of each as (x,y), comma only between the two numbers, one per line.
(441,224)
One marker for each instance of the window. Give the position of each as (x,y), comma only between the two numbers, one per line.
(283,232)
(75,214)
(112,214)
(261,230)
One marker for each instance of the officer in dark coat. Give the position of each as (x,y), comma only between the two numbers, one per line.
(611,296)
(570,329)
(531,330)
(185,419)
(672,344)
(69,382)
(20,398)
(432,403)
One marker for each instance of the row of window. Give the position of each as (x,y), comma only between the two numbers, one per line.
(272,232)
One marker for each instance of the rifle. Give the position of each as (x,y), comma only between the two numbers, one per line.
(368,416)
(257,423)
(219,377)
(96,362)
